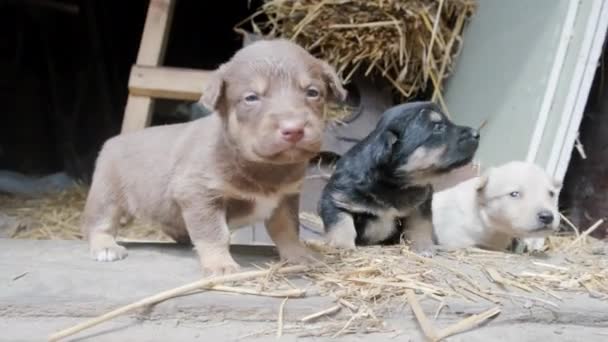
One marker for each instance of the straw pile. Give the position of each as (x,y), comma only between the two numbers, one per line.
(57,216)
(373,281)
(408,42)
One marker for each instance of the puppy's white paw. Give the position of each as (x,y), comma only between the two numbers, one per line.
(299,254)
(109,253)
(215,267)
(534,244)
(342,243)
(424,250)
(341,238)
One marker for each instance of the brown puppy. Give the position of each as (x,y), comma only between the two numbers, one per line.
(242,164)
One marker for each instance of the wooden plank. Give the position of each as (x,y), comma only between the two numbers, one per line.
(167,83)
(156,32)
(151,52)
(137,113)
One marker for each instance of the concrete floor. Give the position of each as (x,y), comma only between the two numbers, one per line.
(46,286)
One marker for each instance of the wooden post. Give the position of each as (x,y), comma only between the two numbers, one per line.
(151,53)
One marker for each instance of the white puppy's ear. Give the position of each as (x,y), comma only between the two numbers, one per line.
(213,90)
(333,81)
(482,182)
(557,183)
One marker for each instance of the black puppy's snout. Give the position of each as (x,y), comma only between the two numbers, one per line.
(469,133)
(545,217)
(474,133)
(468,140)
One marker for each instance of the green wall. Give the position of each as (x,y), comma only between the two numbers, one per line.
(502,73)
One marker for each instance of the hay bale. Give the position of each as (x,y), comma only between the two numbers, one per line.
(408,42)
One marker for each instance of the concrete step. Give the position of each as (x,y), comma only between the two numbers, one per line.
(46,286)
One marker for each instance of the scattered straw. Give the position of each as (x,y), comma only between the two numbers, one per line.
(464,325)
(329,311)
(380,275)
(503,280)
(57,216)
(348,304)
(347,324)
(159,297)
(515,295)
(579,147)
(293,293)
(585,234)
(570,224)
(555,267)
(441,306)
(425,323)
(280,319)
(467,323)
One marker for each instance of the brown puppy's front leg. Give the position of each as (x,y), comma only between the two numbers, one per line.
(205,219)
(101,217)
(420,229)
(283,227)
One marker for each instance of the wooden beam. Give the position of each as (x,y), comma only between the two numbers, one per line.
(156,32)
(167,83)
(138,113)
(151,52)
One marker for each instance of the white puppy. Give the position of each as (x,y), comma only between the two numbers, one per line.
(514,200)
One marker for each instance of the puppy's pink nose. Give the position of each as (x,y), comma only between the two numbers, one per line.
(292,131)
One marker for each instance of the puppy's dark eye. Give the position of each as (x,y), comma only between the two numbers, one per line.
(551,194)
(515,194)
(438,127)
(312,93)
(250,98)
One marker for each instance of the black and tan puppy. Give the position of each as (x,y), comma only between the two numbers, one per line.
(383,184)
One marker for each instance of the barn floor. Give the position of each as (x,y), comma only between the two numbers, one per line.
(51,285)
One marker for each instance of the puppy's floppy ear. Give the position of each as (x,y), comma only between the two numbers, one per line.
(557,183)
(384,148)
(213,90)
(333,81)
(482,182)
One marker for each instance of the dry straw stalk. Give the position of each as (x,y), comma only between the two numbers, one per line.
(157,298)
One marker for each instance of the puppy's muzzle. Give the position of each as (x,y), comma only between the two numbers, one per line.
(468,140)
(292,131)
(546,221)
(545,217)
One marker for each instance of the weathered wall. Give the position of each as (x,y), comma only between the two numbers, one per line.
(503,71)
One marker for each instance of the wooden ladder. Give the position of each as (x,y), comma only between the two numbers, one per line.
(148,79)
